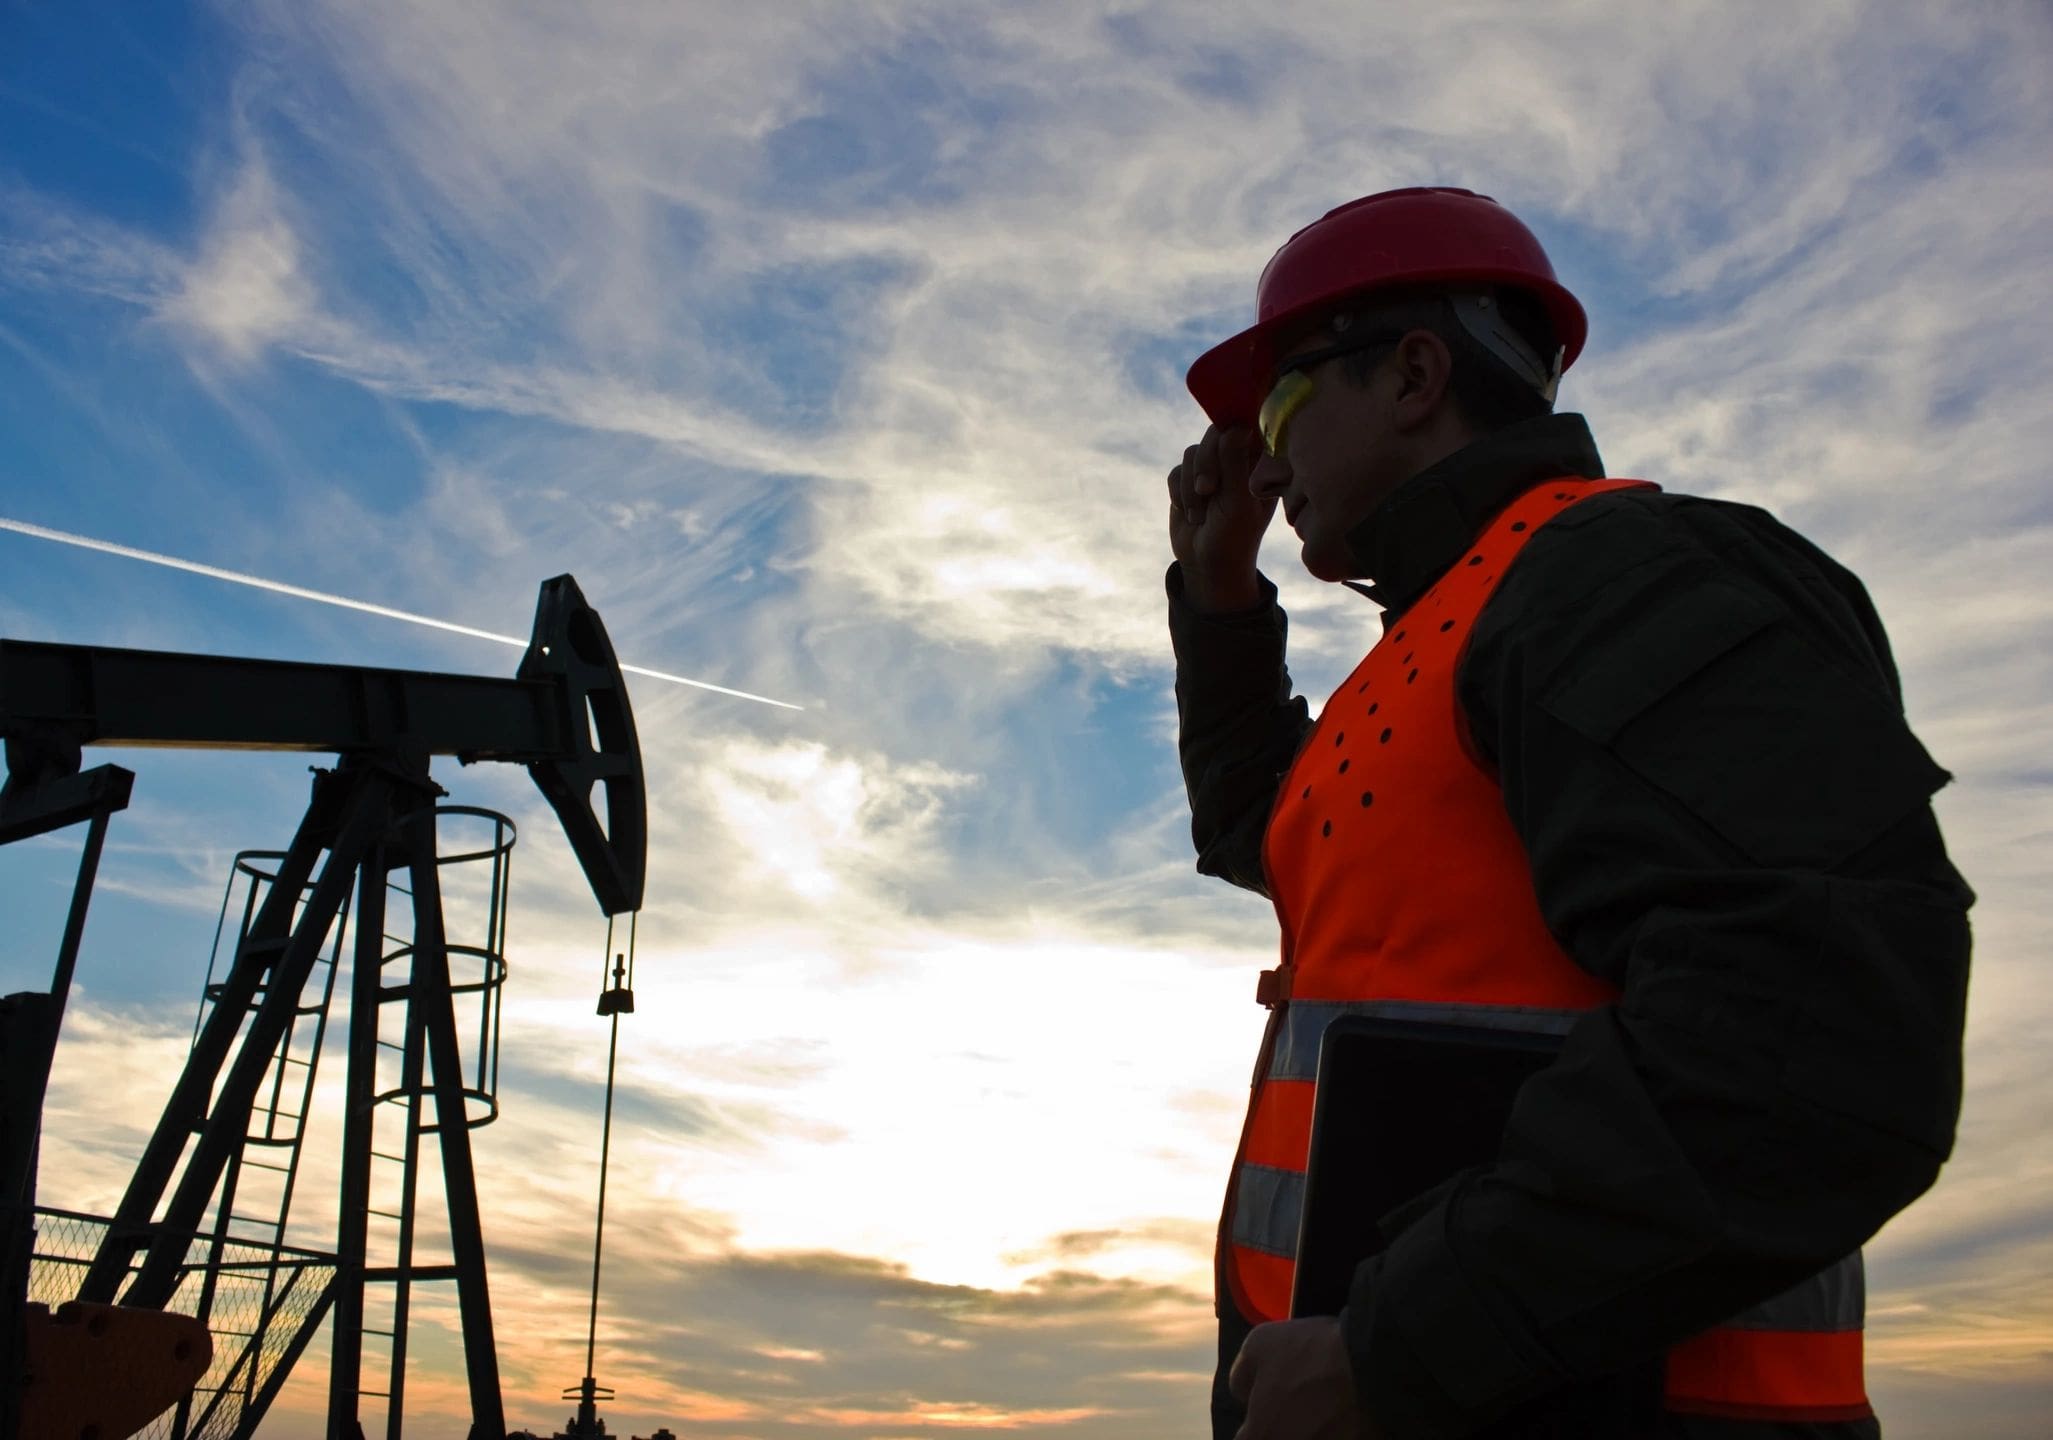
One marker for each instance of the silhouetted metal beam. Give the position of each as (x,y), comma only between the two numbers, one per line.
(98,695)
(566,717)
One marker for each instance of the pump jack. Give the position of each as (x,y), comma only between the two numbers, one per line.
(566,717)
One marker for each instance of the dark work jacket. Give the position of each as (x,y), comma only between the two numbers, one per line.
(1737,836)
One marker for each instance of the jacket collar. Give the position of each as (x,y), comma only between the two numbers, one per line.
(1422,529)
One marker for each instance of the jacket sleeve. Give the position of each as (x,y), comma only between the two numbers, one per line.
(1238,727)
(1701,743)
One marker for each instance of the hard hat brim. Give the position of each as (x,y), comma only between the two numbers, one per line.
(1224,380)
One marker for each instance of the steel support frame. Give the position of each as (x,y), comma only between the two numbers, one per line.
(433,1002)
(431,1025)
(350,808)
(345,1354)
(372,819)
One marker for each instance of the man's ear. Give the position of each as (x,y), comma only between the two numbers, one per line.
(1425,367)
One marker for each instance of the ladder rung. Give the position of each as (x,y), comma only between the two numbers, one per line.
(369,1331)
(376,1394)
(388,1214)
(254,1220)
(293,1060)
(387,1274)
(391,1044)
(267,1165)
(386,1155)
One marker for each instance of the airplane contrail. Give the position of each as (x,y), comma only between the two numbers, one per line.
(236,577)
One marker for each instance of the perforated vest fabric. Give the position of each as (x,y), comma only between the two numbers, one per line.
(1401,888)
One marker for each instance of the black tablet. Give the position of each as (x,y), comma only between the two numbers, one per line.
(1400,1105)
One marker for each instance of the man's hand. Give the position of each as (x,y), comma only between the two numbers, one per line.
(1294,1379)
(1215,524)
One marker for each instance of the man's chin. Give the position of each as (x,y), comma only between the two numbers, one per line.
(1320,561)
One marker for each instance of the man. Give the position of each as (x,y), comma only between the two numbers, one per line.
(1626,767)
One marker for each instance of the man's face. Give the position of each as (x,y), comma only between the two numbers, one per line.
(1329,470)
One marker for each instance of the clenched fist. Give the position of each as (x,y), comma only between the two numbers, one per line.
(1215,522)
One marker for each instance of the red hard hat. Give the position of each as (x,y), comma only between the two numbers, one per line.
(1400,237)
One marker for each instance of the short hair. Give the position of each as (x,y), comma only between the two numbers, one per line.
(1487,392)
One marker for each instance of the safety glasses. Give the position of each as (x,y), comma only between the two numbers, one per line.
(1294,385)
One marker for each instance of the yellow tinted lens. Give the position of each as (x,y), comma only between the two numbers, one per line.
(1284,401)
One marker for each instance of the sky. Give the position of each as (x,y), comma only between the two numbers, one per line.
(837,350)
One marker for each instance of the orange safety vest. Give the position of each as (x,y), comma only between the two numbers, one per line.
(1404,891)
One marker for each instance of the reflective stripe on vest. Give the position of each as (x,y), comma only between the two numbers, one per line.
(1794,1357)
(1402,890)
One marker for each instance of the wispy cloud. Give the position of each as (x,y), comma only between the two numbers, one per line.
(246,288)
